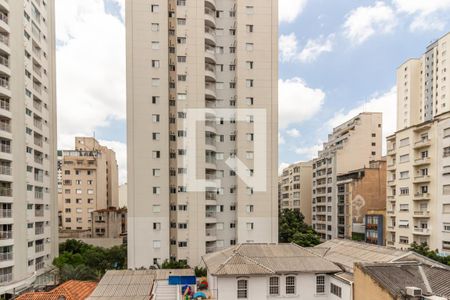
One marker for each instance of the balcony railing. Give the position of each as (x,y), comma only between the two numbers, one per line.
(39,248)
(4,39)
(5,127)
(5,277)
(4,104)
(39,213)
(5,192)
(4,83)
(6,213)
(211,214)
(39,230)
(4,61)
(38,195)
(5,170)
(3,17)
(5,235)
(6,256)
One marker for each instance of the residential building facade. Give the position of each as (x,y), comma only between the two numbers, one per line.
(28,213)
(358,192)
(89,182)
(212,63)
(375,227)
(273,271)
(109,223)
(351,146)
(418,180)
(295,189)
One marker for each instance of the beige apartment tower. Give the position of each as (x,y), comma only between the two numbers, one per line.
(88,181)
(28,212)
(418,178)
(295,189)
(351,146)
(200,60)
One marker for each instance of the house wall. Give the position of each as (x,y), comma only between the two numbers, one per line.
(364,286)
(225,288)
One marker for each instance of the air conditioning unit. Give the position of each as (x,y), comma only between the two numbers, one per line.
(413,291)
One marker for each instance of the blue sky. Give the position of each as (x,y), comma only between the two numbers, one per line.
(337,58)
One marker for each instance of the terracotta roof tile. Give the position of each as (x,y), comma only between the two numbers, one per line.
(72,290)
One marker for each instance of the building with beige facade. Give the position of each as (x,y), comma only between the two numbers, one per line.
(358,192)
(351,146)
(88,182)
(109,223)
(295,188)
(418,180)
(202,127)
(28,212)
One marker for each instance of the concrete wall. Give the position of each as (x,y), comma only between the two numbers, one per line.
(366,288)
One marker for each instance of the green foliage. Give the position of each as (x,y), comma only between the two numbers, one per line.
(78,260)
(424,250)
(200,272)
(360,237)
(174,264)
(293,229)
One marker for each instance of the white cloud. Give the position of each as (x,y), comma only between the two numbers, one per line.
(385,103)
(428,15)
(281,139)
(365,21)
(281,167)
(289,49)
(90,69)
(293,132)
(297,101)
(310,152)
(289,10)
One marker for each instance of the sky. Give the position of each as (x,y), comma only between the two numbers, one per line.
(337,59)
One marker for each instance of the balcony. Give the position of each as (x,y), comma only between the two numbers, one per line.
(421,214)
(6,235)
(422,179)
(5,170)
(6,213)
(211,232)
(38,142)
(6,256)
(38,195)
(422,143)
(211,3)
(392,167)
(421,196)
(6,277)
(39,248)
(210,72)
(210,55)
(210,17)
(5,191)
(210,91)
(4,39)
(39,213)
(421,231)
(422,161)
(211,249)
(391,151)
(4,17)
(390,243)
(5,126)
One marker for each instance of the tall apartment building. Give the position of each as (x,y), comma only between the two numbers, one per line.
(28,212)
(359,191)
(295,188)
(418,204)
(218,55)
(351,146)
(88,182)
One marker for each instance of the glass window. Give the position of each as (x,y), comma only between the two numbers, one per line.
(290,285)
(320,284)
(242,286)
(274,285)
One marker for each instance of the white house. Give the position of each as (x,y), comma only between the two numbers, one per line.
(274,271)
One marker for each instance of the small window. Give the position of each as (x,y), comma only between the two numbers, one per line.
(320,284)
(155,8)
(290,285)
(242,289)
(336,290)
(274,285)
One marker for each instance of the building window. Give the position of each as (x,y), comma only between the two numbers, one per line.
(156,244)
(290,285)
(336,290)
(274,285)
(446,151)
(242,289)
(320,284)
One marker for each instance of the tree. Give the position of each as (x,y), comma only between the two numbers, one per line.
(424,249)
(80,260)
(293,229)
(174,264)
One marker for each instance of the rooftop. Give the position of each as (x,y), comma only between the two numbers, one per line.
(71,290)
(132,284)
(346,253)
(395,277)
(262,259)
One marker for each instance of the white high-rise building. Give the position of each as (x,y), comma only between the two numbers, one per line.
(28,211)
(418,178)
(215,55)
